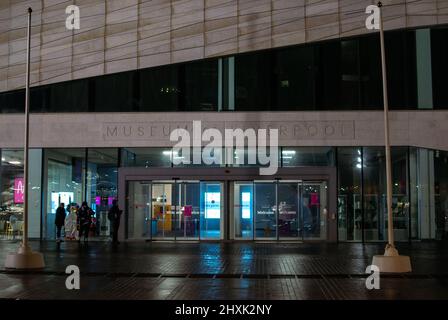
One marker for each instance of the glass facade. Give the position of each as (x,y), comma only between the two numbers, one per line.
(350,194)
(102,186)
(362,194)
(268,210)
(439,58)
(65,183)
(243,210)
(307,157)
(11,194)
(174,210)
(73,176)
(441,193)
(280,210)
(343,74)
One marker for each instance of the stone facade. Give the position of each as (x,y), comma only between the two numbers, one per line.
(120,35)
(426,129)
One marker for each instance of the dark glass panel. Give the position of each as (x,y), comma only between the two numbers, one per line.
(401,69)
(12,102)
(307,156)
(200,84)
(159,89)
(146,157)
(331,75)
(293,74)
(441,193)
(328,75)
(60,97)
(350,74)
(253,81)
(439,57)
(375,210)
(371,96)
(114,93)
(349,194)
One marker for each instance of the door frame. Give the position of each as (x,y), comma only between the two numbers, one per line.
(226,174)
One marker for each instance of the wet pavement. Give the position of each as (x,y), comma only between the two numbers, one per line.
(168,270)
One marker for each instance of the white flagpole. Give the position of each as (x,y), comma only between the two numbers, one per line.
(391,261)
(25,258)
(27,135)
(386,138)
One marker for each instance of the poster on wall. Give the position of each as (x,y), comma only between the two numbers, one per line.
(314,199)
(18,190)
(212,205)
(60,197)
(245,205)
(188,210)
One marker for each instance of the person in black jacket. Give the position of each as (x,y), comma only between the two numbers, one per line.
(59,221)
(84,219)
(114,218)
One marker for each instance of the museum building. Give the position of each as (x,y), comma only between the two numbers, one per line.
(105,98)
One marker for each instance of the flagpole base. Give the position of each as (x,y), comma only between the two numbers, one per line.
(25,258)
(392,262)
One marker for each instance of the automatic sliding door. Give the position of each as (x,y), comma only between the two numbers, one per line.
(265,201)
(262,210)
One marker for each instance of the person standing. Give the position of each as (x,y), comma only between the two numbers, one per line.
(59,221)
(13,223)
(114,218)
(85,219)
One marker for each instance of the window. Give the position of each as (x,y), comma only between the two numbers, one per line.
(293,78)
(115,93)
(200,82)
(441,193)
(65,184)
(146,157)
(343,74)
(189,87)
(371,88)
(102,180)
(307,156)
(439,55)
(349,194)
(401,69)
(253,81)
(374,179)
(327,75)
(60,97)
(12,102)
(11,192)
(159,89)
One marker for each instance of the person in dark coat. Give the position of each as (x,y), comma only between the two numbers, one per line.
(59,221)
(85,219)
(114,218)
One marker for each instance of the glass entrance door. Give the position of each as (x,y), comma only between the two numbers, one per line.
(314,210)
(265,204)
(175,210)
(288,210)
(139,207)
(279,210)
(187,210)
(243,210)
(212,208)
(194,210)
(163,210)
